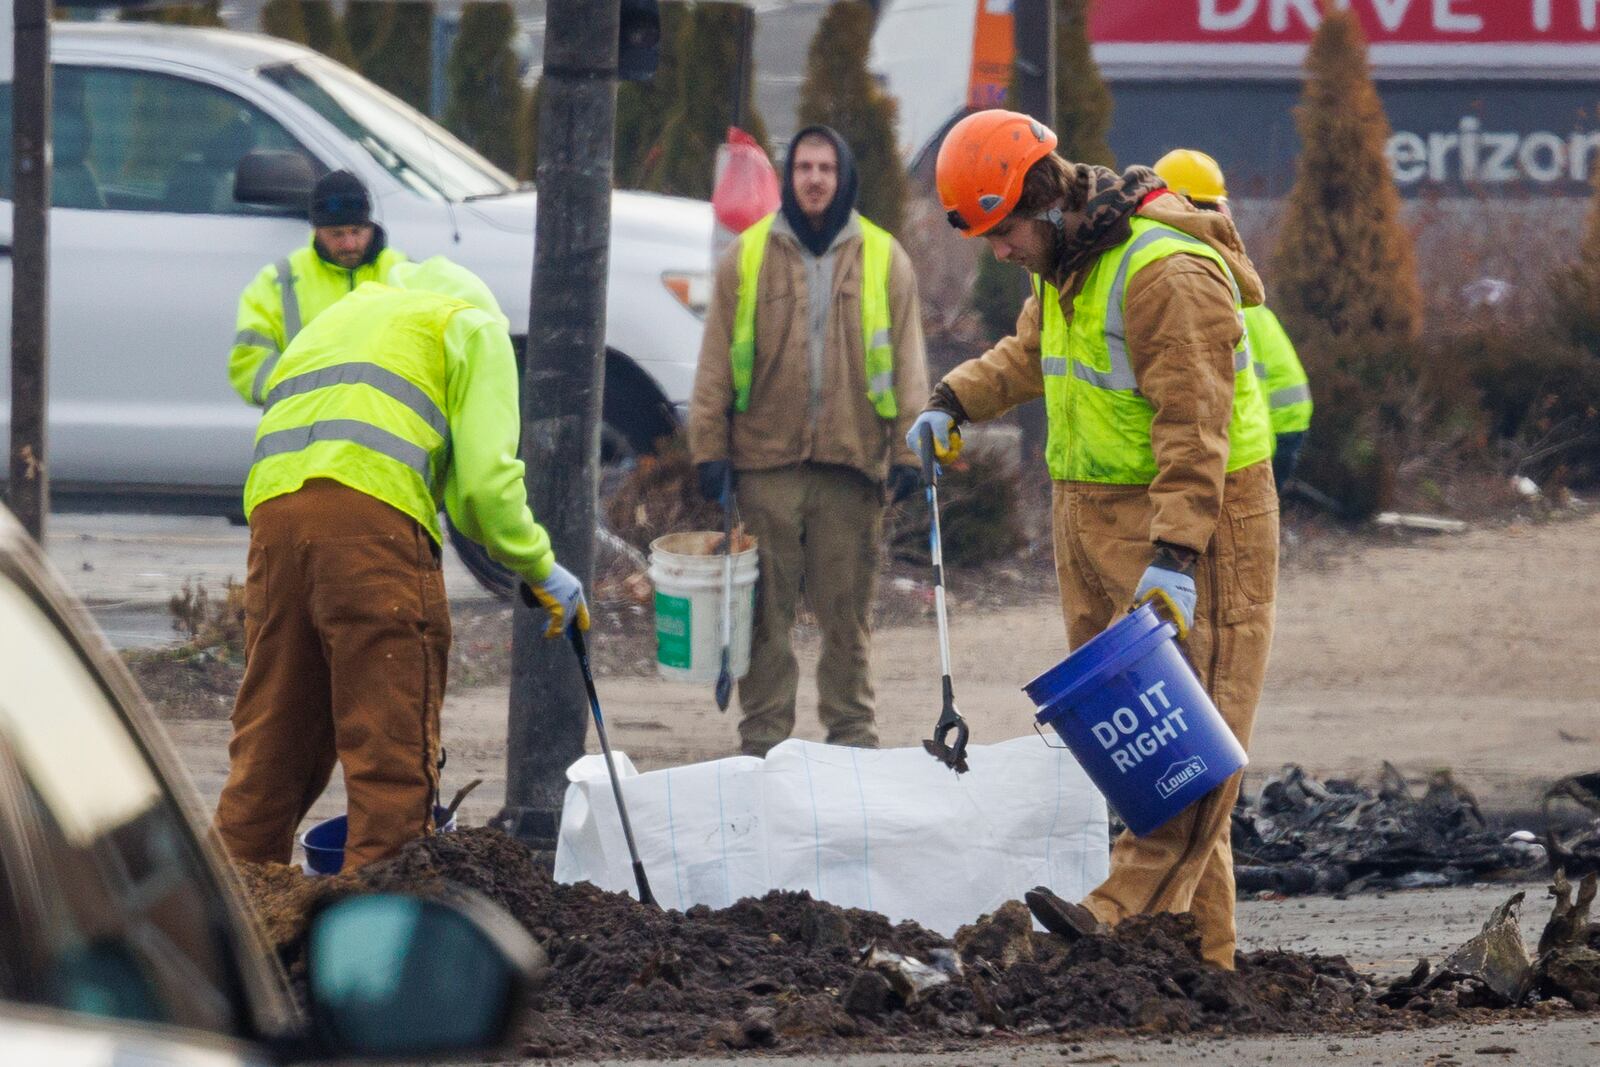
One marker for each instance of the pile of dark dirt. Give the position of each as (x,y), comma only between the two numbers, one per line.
(787,972)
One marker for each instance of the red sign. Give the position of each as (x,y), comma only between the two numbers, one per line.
(1478,22)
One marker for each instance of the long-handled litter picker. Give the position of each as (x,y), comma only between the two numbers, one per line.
(953,756)
(576,636)
(725,678)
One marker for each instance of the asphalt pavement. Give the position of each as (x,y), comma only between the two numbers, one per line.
(127,567)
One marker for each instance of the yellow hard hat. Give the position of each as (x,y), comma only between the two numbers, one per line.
(1191,173)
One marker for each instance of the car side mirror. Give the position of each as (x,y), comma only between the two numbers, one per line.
(400,976)
(274,178)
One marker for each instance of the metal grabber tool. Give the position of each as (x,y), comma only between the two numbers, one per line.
(575,635)
(954,755)
(725,677)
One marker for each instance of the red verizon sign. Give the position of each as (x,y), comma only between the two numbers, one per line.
(1405,22)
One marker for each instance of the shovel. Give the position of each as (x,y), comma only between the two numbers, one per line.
(954,755)
(725,678)
(575,635)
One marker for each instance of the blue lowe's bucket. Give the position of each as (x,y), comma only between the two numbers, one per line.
(324,842)
(1130,708)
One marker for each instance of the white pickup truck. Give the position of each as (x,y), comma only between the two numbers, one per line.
(150,248)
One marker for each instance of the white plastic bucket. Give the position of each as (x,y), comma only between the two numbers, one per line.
(687,572)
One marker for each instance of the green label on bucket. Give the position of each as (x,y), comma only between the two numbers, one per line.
(673,645)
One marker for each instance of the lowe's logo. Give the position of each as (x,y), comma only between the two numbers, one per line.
(1179,775)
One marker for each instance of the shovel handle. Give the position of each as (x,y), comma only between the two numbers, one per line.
(929,467)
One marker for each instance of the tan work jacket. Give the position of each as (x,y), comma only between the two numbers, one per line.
(1182,327)
(792,419)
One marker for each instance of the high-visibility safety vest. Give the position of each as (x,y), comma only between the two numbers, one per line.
(1099,421)
(283,299)
(363,405)
(876,249)
(1284,380)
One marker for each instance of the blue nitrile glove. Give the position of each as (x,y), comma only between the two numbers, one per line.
(946,438)
(560,594)
(1174,589)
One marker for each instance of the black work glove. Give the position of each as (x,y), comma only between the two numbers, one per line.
(903,481)
(712,476)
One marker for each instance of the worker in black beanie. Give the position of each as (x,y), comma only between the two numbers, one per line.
(346,249)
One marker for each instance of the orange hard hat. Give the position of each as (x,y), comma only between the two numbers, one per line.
(982,163)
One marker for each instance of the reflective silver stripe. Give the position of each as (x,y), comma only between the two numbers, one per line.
(1121,374)
(1260,369)
(256,338)
(880,339)
(269,361)
(382,379)
(1241,360)
(365,434)
(881,383)
(291,302)
(1293,394)
(1054,366)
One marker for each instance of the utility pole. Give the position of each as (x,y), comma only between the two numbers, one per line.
(30,279)
(561,395)
(1034,31)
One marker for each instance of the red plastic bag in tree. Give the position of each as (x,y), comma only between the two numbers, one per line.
(747,186)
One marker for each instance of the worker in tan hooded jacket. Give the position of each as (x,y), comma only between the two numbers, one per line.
(811,371)
(1159,451)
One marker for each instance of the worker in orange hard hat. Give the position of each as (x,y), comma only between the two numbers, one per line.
(1196,176)
(1159,451)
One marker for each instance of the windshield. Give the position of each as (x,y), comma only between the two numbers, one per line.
(421,154)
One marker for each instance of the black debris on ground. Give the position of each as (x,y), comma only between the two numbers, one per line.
(789,973)
(1300,835)
(1578,851)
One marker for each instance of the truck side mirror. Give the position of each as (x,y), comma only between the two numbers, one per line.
(274,178)
(394,976)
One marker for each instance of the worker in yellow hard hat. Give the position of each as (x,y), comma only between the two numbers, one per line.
(1196,176)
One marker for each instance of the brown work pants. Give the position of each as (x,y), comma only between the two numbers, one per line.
(1102,546)
(347,635)
(820,524)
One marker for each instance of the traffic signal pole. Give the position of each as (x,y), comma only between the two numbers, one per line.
(29,483)
(561,395)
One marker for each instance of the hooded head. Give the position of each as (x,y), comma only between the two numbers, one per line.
(816,228)
(440,275)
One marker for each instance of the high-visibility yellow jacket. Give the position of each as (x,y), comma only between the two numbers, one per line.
(272,313)
(408,393)
(1100,423)
(1288,390)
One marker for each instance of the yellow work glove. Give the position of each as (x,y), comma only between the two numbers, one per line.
(561,595)
(946,437)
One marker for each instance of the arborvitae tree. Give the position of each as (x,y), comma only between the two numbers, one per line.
(285,19)
(1575,288)
(1083,117)
(485,97)
(367,25)
(1344,279)
(839,92)
(325,31)
(201,14)
(702,110)
(401,60)
(1083,103)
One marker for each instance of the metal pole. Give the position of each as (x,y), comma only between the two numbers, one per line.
(1034,30)
(745,46)
(30,289)
(561,394)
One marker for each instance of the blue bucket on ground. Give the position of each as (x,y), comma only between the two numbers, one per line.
(324,842)
(1133,713)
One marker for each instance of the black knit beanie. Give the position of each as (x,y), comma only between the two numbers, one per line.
(340,199)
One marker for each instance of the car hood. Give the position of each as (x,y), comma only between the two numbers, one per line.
(643,216)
